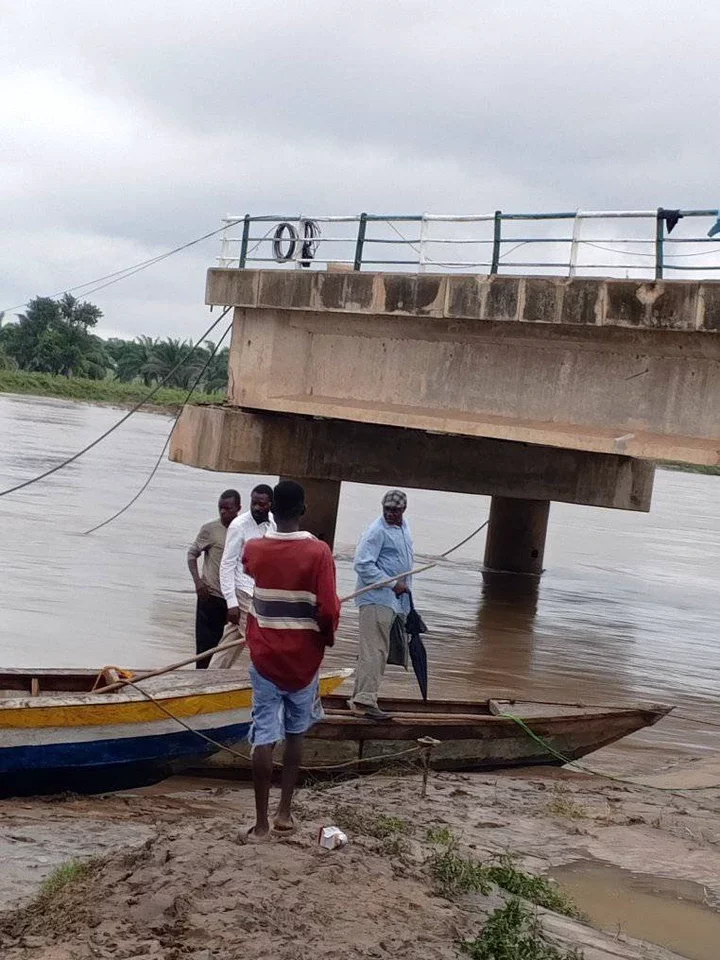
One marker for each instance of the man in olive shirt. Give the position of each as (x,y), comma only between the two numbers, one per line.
(211,610)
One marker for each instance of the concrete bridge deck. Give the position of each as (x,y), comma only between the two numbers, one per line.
(528,389)
(607,366)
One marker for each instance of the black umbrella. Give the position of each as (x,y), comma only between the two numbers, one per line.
(414,626)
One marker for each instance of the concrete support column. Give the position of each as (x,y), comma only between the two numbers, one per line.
(516,535)
(321,500)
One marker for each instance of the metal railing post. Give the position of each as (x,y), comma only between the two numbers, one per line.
(497,239)
(659,242)
(360,241)
(244,242)
(422,261)
(574,245)
(225,246)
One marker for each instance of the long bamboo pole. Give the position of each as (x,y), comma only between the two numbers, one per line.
(236,643)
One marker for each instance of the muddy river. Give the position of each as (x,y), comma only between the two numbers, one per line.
(628,607)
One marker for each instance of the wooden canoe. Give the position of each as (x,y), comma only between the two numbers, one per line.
(57,735)
(473,735)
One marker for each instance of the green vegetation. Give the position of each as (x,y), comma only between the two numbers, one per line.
(511,933)
(391,831)
(67,873)
(55,337)
(563,805)
(688,467)
(96,391)
(441,835)
(455,875)
(539,890)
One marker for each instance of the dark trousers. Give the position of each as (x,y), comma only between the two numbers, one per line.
(210,617)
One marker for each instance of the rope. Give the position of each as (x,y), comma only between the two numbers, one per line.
(684,716)
(413,750)
(247,757)
(308,243)
(125,674)
(159,460)
(131,411)
(597,773)
(121,274)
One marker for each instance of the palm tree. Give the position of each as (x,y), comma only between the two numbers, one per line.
(132,358)
(167,354)
(216,375)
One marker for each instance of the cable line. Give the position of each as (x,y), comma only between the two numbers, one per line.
(134,409)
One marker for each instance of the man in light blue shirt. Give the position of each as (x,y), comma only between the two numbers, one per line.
(385,550)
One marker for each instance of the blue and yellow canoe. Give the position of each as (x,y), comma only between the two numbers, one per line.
(56,734)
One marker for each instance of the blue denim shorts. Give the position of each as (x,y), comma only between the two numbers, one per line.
(277,712)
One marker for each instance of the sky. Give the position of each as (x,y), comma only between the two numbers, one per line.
(127,129)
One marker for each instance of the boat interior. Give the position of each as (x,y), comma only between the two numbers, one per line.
(33,683)
(336,705)
(48,683)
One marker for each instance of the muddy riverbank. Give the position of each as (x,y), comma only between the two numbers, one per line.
(173,877)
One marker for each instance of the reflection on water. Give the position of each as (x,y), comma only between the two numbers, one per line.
(628,607)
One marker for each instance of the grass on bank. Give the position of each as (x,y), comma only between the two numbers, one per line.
(688,467)
(455,875)
(98,391)
(391,831)
(512,933)
(562,804)
(67,873)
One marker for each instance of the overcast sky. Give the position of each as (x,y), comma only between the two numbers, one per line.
(128,128)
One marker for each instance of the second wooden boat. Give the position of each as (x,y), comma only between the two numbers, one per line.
(471,735)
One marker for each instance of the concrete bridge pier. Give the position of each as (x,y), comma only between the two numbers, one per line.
(515,540)
(321,498)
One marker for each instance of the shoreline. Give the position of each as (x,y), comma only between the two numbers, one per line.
(166,872)
(100,392)
(169,400)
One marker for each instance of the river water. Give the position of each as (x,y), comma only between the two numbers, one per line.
(627,608)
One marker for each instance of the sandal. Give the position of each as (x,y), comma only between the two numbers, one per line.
(251,837)
(282,830)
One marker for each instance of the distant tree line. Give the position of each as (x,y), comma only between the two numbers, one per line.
(56,336)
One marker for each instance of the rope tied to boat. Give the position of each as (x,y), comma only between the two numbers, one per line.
(111,674)
(126,678)
(248,757)
(597,773)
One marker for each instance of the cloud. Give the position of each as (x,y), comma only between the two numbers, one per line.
(128,129)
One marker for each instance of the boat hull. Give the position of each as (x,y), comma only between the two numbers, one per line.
(99,765)
(469,736)
(91,743)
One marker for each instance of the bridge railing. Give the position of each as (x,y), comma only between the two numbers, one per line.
(630,243)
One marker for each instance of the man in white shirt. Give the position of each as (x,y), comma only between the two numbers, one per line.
(236,586)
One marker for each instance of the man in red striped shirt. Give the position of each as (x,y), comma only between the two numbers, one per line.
(294,616)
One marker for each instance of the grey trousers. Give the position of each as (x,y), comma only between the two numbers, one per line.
(374,644)
(229,659)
